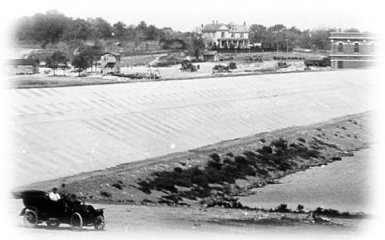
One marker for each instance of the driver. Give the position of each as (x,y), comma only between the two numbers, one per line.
(54,196)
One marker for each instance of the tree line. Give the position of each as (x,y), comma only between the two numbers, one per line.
(53,27)
(281,38)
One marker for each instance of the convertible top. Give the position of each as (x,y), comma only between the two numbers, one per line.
(30,194)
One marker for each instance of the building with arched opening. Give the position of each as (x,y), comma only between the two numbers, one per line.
(352,49)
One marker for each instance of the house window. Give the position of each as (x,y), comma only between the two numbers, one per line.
(232,35)
(356,48)
(241,35)
(340,47)
(223,34)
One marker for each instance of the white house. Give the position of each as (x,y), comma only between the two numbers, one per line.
(225,36)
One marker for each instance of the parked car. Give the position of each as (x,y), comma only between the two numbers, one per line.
(186,66)
(39,208)
(324,62)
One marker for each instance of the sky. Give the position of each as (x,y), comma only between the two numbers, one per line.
(187,15)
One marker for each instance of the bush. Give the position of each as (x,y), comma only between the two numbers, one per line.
(280,144)
(105,194)
(300,208)
(117,185)
(302,140)
(215,157)
(265,150)
(214,164)
(282,208)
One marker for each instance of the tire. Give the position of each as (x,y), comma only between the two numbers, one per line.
(30,218)
(76,221)
(99,223)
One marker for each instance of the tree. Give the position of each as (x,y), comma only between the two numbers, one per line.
(141,31)
(320,38)
(91,54)
(56,60)
(100,28)
(152,33)
(78,29)
(80,63)
(120,30)
(45,28)
(257,33)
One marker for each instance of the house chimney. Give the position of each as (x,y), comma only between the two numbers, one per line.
(213,21)
(202,25)
(217,21)
(244,23)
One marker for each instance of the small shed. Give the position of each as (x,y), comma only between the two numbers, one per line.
(23,66)
(210,56)
(110,63)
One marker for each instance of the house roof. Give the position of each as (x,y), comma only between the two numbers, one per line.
(238,28)
(210,53)
(213,27)
(112,53)
(24,62)
(351,35)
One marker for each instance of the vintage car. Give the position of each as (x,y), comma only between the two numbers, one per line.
(39,208)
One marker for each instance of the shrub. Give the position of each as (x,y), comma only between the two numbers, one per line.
(302,140)
(215,157)
(214,164)
(241,160)
(300,208)
(117,185)
(265,150)
(105,194)
(280,144)
(230,154)
(282,208)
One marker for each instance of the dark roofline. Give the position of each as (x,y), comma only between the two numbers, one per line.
(112,53)
(24,62)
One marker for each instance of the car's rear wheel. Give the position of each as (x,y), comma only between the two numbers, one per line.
(76,221)
(99,223)
(30,218)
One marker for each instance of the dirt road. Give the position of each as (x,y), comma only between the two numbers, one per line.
(162,222)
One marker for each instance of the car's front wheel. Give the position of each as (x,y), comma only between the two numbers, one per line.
(99,223)
(30,218)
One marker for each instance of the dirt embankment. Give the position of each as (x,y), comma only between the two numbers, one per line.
(215,174)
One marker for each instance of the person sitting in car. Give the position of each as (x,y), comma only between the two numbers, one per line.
(54,196)
(64,194)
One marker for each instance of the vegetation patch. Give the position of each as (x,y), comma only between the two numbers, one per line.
(223,171)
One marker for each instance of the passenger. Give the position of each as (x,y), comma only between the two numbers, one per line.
(54,196)
(63,192)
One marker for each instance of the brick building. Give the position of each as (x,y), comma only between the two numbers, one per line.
(352,49)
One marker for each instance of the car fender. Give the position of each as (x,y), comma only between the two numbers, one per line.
(26,209)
